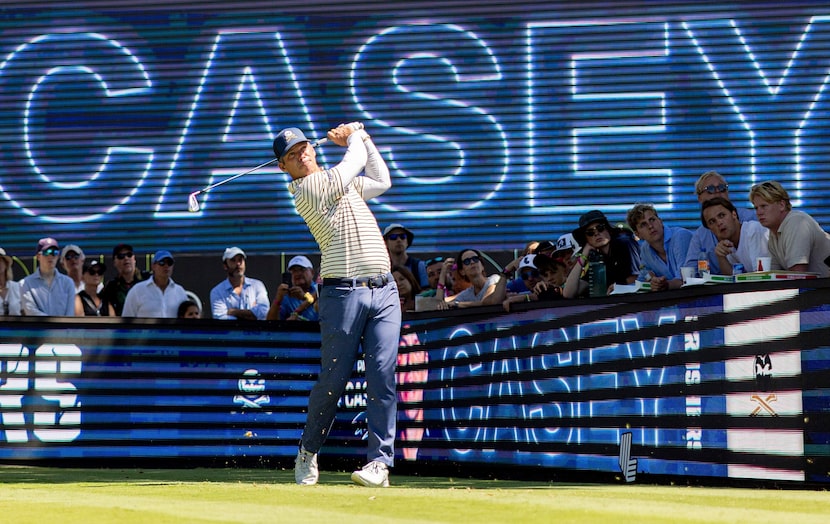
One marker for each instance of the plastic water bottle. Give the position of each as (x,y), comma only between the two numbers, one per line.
(597,284)
(702,264)
(644,275)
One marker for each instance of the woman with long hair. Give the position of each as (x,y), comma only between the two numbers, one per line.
(408,287)
(484,290)
(9,288)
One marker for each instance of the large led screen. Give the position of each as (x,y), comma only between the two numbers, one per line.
(501,122)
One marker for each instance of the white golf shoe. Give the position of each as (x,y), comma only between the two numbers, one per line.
(374,475)
(305,468)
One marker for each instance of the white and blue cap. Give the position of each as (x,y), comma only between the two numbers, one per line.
(527,261)
(232,252)
(300,261)
(162,254)
(286,139)
(566,242)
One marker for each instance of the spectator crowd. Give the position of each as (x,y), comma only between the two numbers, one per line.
(592,259)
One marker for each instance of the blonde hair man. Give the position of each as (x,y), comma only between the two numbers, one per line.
(796,241)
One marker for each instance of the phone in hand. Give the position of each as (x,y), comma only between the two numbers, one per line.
(286,278)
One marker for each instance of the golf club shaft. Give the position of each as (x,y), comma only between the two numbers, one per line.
(264,164)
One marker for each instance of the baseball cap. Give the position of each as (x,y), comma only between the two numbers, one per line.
(232,252)
(527,261)
(566,242)
(91,263)
(301,261)
(410,236)
(45,243)
(72,247)
(121,247)
(545,245)
(161,255)
(286,139)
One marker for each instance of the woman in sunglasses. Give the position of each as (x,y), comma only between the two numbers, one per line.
(617,249)
(88,302)
(484,290)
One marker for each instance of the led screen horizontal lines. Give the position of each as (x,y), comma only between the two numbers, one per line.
(515,118)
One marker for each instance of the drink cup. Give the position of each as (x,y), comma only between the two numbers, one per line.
(763,263)
(687,273)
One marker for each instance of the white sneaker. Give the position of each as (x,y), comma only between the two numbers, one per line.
(374,475)
(305,468)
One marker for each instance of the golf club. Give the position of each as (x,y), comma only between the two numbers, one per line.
(193,198)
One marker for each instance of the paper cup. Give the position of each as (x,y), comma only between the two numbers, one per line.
(687,273)
(763,263)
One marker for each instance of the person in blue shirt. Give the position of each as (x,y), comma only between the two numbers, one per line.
(709,185)
(296,300)
(238,296)
(662,248)
(46,292)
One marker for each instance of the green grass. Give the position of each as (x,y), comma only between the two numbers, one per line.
(251,496)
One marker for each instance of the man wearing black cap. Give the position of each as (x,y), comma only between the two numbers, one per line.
(46,292)
(115,292)
(359,304)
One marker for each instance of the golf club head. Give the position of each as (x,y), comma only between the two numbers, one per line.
(193,202)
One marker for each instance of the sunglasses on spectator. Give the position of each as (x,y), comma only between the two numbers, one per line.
(72,256)
(527,275)
(165,262)
(712,189)
(471,260)
(50,252)
(595,231)
(96,272)
(125,254)
(395,236)
(435,260)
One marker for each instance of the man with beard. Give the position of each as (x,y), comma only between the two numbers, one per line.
(238,296)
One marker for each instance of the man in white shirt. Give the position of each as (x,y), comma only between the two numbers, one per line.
(238,296)
(796,241)
(738,242)
(156,297)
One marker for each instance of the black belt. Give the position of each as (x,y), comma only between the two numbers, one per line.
(370,282)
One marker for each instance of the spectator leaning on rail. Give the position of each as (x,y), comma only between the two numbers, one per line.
(738,242)
(238,296)
(662,248)
(710,184)
(796,241)
(615,246)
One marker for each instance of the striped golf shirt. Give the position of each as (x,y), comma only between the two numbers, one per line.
(333,204)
